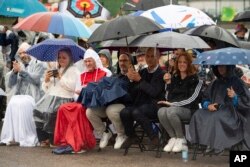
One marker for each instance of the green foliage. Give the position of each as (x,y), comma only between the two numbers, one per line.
(227,13)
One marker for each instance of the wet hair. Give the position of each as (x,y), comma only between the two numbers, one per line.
(190,67)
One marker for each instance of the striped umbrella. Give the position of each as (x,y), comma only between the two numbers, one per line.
(56,23)
(48,49)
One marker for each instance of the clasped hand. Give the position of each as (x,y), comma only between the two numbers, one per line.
(133,75)
(16,66)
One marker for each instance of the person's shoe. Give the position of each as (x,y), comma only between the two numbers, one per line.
(120,139)
(2,144)
(154,143)
(170,145)
(79,152)
(178,145)
(105,139)
(129,141)
(208,150)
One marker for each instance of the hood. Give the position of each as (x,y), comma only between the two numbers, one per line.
(230,71)
(106,53)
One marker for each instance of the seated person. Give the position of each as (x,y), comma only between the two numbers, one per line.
(112,111)
(72,126)
(106,59)
(181,99)
(25,80)
(59,86)
(219,124)
(148,90)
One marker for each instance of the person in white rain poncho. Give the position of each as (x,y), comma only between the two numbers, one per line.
(24,79)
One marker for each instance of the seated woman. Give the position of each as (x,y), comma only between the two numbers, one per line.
(59,86)
(219,124)
(25,82)
(181,95)
(72,126)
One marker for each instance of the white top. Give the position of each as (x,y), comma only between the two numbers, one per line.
(65,87)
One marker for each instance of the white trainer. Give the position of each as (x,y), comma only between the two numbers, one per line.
(178,145)
(170,145)
(119,140)
(105,139)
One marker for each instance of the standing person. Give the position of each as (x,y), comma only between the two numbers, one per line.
(112,111)
(148,90)
(8,37)
(72,126)
(106,59)
(218,125)
(181,99)
(59,86)
(25,79)
(240,32)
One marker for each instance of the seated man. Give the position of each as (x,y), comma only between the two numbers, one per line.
(148,89)
(25,79)
(112,111)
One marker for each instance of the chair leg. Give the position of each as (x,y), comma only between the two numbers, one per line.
(195,151)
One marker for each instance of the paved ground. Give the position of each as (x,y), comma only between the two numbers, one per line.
(14,156)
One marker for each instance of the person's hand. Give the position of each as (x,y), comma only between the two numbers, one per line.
(167,78)
(164,102)
(78,92)
(16,66)
(133,75)
(212,107)
(230,92)
(48,74)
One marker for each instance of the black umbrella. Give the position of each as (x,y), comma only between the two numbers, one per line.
(169,40)
(123,26)
(222,37)
(242,16)
(132,5)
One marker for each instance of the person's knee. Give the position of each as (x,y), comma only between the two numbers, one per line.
(113,112)
(136,114)
(162,112)
(171,112)
(125,113)
(89,113)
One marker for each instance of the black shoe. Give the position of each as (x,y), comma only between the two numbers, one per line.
(154,143)
(129,141)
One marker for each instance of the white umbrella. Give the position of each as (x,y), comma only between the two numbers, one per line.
(178,16)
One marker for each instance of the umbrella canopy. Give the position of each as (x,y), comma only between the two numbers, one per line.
(178,16)
(225,56)
(20,8)
(123,26)
(214,32)
(79,7)
(55,22)
(169,40)
(48,49)
(134,5)
(242,16)
(104,92)
(118,43)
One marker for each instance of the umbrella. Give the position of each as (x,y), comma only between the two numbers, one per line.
(134,5)
(47,50)
(102,93)
(55,22)
(117,43)
(242,16)
(214,32)
(225,56)
(123,26)
(169,40)
(20,8)
(177,16)
(79,7)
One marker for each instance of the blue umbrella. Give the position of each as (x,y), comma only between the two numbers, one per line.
(47,50)
(102,93)
(225,56)
(20,8)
